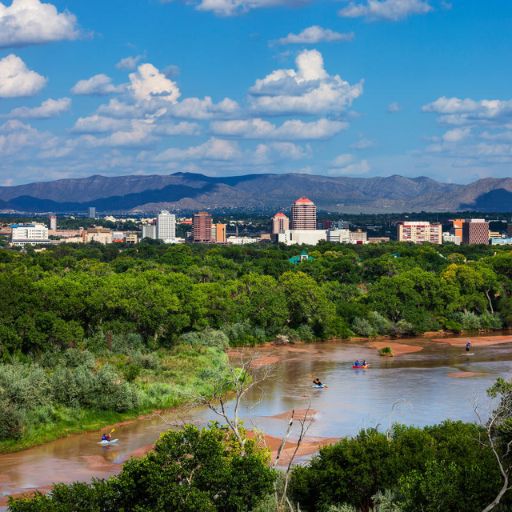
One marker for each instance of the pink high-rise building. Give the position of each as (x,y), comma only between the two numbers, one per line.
(303,214)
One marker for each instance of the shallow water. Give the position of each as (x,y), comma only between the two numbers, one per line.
(412,388)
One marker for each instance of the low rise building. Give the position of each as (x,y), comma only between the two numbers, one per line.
(29,234)
(358,237)
(338,236)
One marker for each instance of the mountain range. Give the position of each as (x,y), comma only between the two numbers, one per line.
(263,192)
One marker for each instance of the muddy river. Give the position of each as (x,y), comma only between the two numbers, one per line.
(428,381)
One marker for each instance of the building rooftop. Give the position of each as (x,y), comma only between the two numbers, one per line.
(279,214)
(303,200)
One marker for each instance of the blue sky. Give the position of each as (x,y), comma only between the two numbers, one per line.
(225,87)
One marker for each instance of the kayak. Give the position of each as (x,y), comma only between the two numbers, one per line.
(104,442)
(359,367)
(316,386)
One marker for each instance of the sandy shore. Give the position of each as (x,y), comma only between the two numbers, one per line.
(397,348)
(476,341)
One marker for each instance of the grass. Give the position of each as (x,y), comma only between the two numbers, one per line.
(183,373)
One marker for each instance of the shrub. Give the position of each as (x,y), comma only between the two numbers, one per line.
(469,321)
(146,361)
(243,333)
(386,352)
(11,421)
(126,343)
(363,327)
(381,324)
(206,338)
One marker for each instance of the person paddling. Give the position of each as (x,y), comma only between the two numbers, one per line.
(317,382)
(468,346)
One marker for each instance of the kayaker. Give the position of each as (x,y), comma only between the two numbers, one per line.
(106,437)
(356,363)
(317,382)
(364,362)
(468,346)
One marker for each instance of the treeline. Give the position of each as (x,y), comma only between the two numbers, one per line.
(58,297)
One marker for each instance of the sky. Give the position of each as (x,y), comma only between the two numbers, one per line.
(356,88)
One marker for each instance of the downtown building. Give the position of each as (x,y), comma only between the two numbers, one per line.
(29,234)
(202,228)
(475,231)
(419,232)
(302,227)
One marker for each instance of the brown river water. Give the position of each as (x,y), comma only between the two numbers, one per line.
(437,381)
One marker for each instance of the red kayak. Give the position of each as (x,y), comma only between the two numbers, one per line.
(361,367)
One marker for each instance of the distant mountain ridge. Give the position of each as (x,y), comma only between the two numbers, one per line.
(189,191)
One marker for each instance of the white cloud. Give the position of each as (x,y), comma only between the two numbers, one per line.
(309,89)
(362,143)
(394,107)
(197,108)
(16,137)
(17,80)
(98,124)
(456,135)
(315,34)
(181,128)
(212,149)
(236,7)
(32,22)
(97,85)
(137,133)
(289,130)
(462,111)
(345,165)
(48,108)
(129,63)
(148,83)
(391,10)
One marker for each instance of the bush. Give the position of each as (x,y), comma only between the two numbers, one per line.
(126,343)
(206,338)
(146,361)
(11,421)
(363,327)
(386,352)
(243,333)
(469,321)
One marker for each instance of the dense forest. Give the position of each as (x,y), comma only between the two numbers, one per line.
(58,297)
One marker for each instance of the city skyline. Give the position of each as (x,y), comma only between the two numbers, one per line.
(356,88)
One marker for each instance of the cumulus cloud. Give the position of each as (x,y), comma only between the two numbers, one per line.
(16,137)
(237,7)
(97,85)
(345,164)
(33,22)
(279,151)
(315,34)
(148,83)
(206,108)
(456,135)
(212,149)
(48,108)
(129,63)
(17,80)
(292,130)
(309,89)
(390,10)
(461,111)
(97,124)
(362,143)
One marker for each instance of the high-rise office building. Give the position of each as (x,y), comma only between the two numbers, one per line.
(53,222)
(92,212)
(457,227)
(419,232)
(219,233)
(303,214)
(149,231)
(202,227)
(166,226)
(475,231)
(280,223)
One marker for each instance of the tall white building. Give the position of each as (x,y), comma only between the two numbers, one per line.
(166,227)
(53,222)
(419,232)
(29,234)
(149,231)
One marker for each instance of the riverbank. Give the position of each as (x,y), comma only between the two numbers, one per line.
(176,377)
